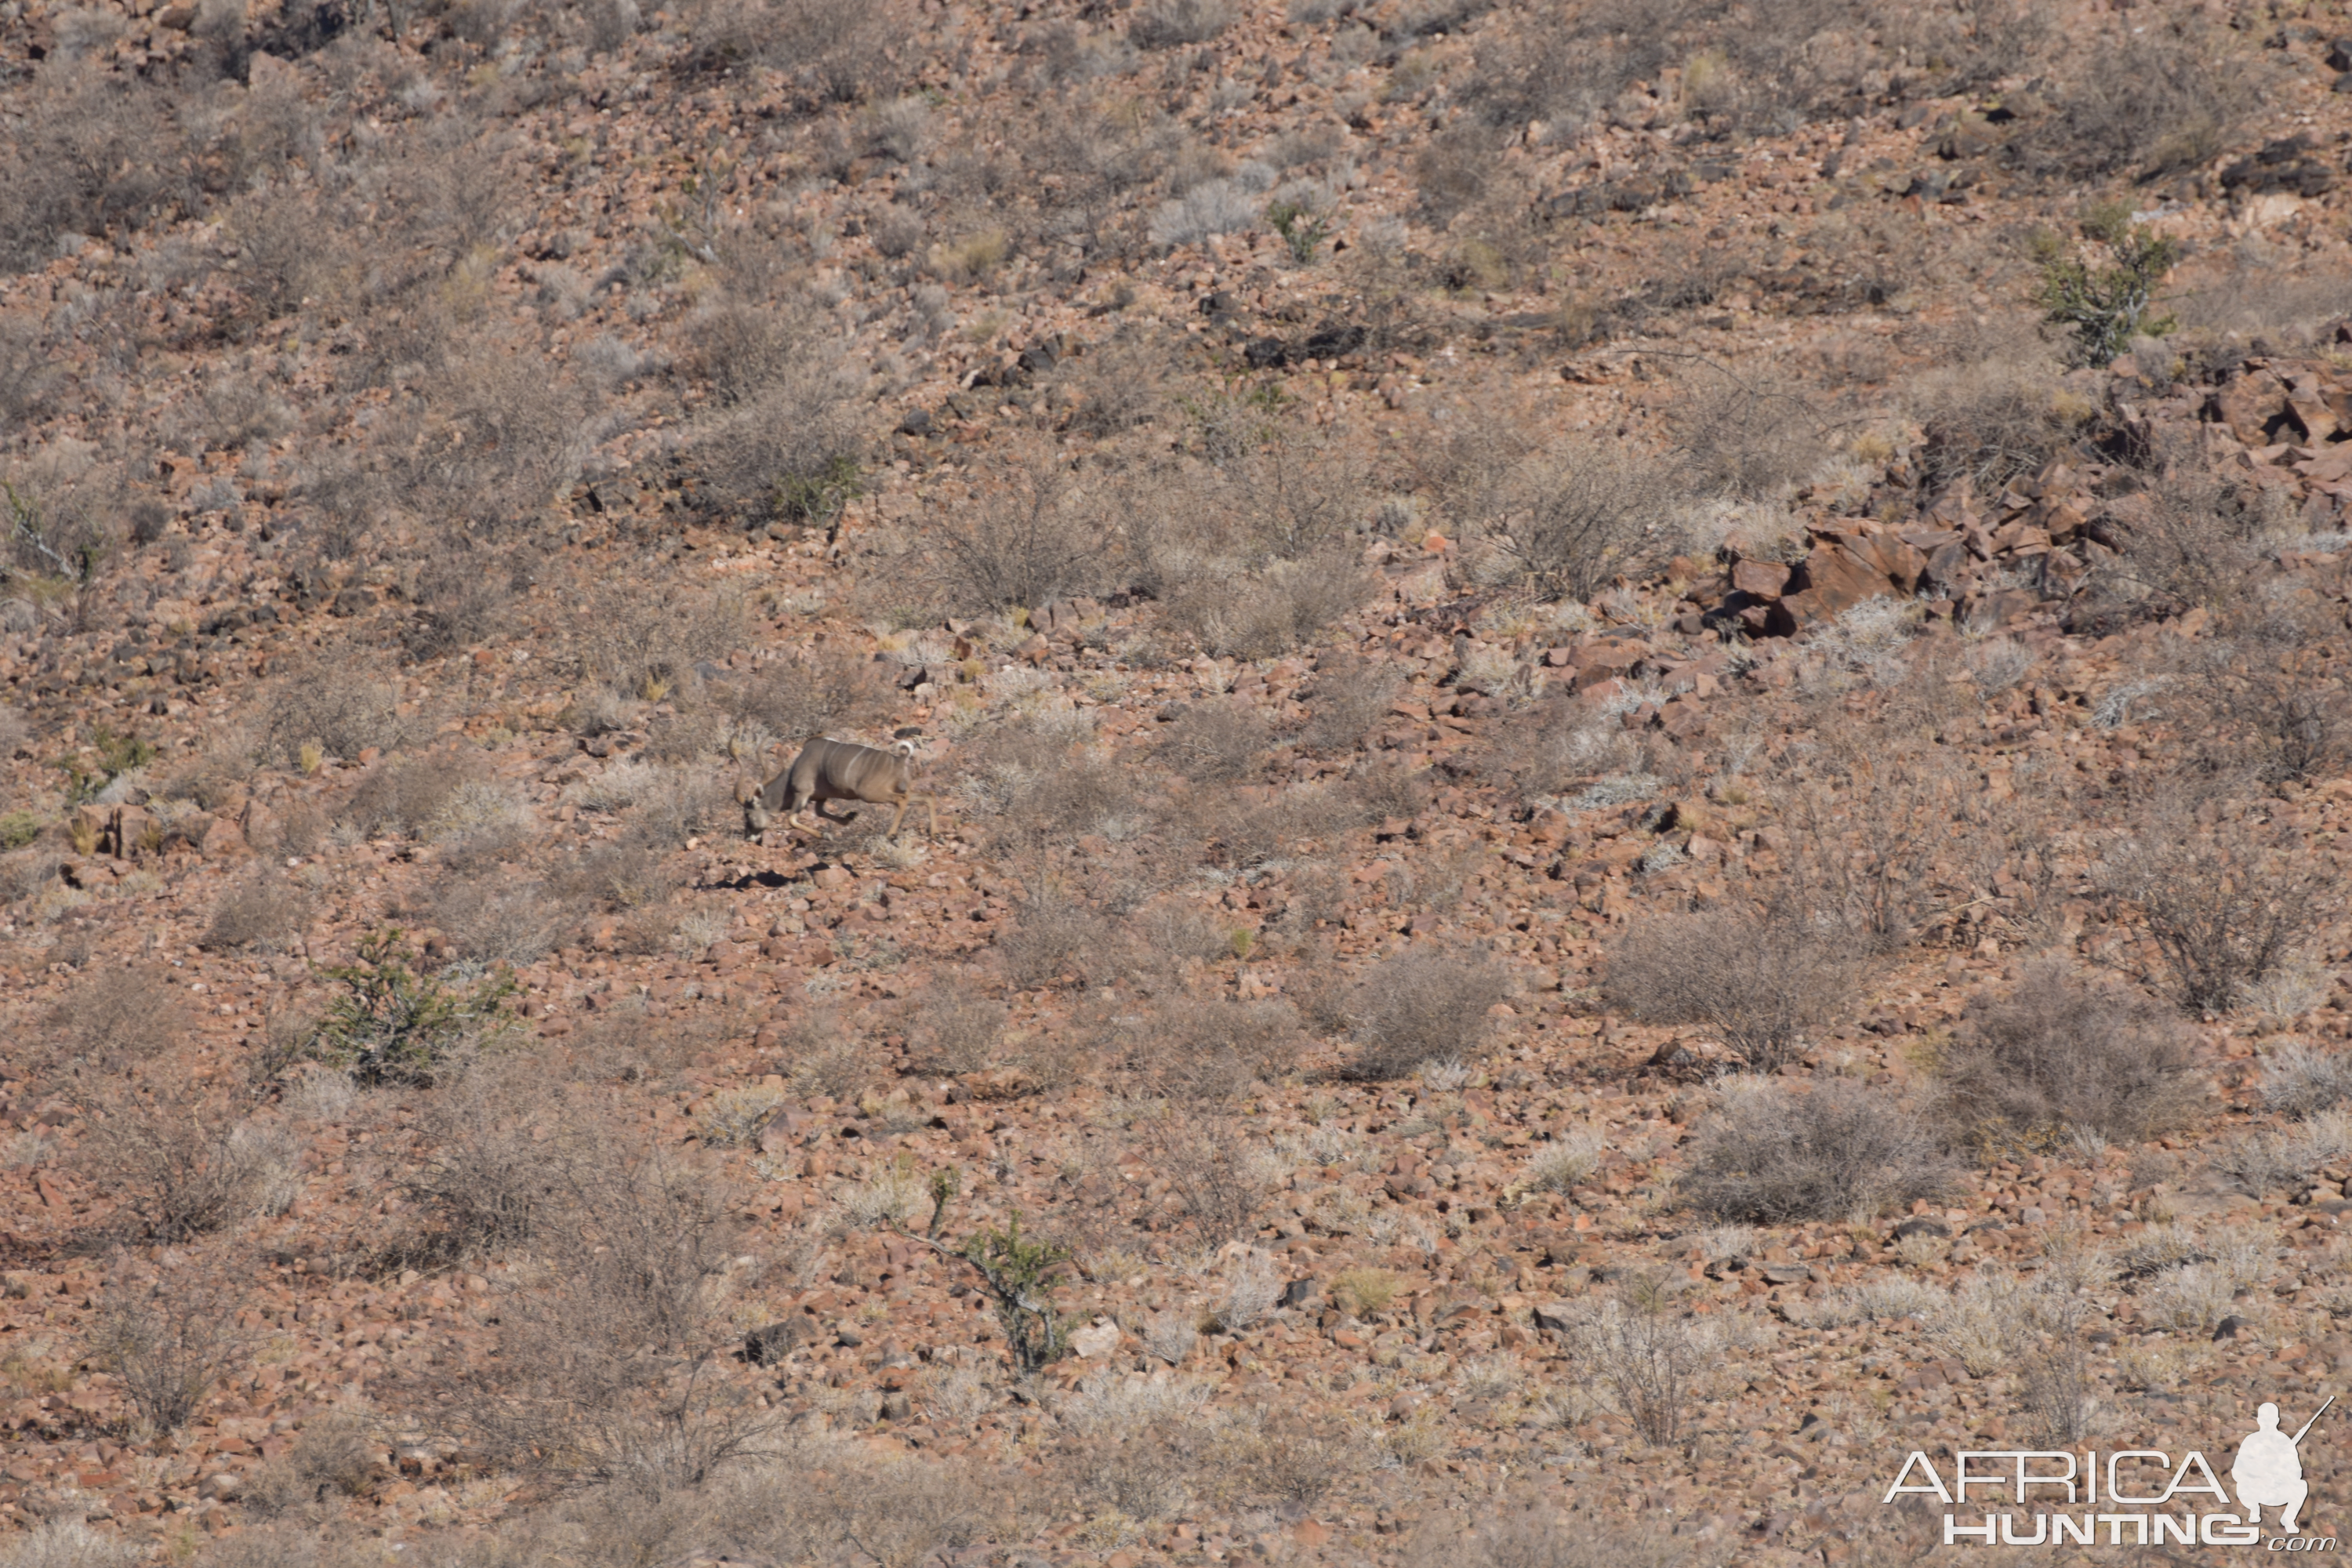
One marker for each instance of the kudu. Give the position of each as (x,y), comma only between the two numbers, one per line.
(839,770)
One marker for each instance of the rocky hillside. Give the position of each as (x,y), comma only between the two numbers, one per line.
(1637,712)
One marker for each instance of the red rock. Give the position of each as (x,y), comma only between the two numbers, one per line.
(1760,579)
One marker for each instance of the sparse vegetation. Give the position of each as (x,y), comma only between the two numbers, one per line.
(1582,702)
(1772,1154)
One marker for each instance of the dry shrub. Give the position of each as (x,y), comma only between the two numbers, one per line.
(2194,536)
(1773,1154)
(809,693)
(1997,411)
(1218,742)
(492,922)
(1170,24)
(1421,1005)
(648,641)
(1350,695)
(258,911)
(494,439)
(67,1543)
(1747,440)
(1268,615)
(116,1021)
(1533,1530)
(338,701)
(1758,978)
(788,452)
(461,598)
(1565,517)
(820,1504)
(1887,847)
(335,1457)
(1035,540)
(626,875)
(834,53)
(950,1031)
(1215,1049)
(168,1335)
(494,1143)
(399,796)
(2265,697)
(2058,1052)
(85,152)
(1054,934)
(1043,797)
(1217,1178)
(1745,71)
(610,1360)
(1252,825)
(2163,95)
(2225,905)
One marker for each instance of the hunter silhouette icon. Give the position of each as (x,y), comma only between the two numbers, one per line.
(2268,1468)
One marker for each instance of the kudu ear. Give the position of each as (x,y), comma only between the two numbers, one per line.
(904,749)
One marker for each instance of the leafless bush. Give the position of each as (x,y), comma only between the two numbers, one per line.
(1995,413)
(808,694)
(494,440)
(2195,537)
(1215,1049)
(1216,743)
(168,1336)
(258,911)
(1027,545)
(1217,1178)
(647,642)
(610,1358)
(1351,696)
(1169,24)
(1775,1155)
(1757,979)
(85,152)
(1041,798)
(1422,1005)
(117,1020)
(1880,849)
(834,53)
(2159,97)
(493,922)
(2225,905)
(2057,1052)
(952,1031)
(172,1150)
(1645,1352)
(495,1144)
(461,598)
(334,1456)
(1389,789)
(340,704)
(1747,440)
(67,1543)
(1566,518)
(1270,613)
(1533,1531)
(1053,934)
(400,796)
(788,452)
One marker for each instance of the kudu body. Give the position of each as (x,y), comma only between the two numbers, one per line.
(840,769)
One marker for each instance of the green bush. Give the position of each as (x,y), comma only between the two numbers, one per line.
(393,1025)
(2105,307)
(1021,1275)
(18,828)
